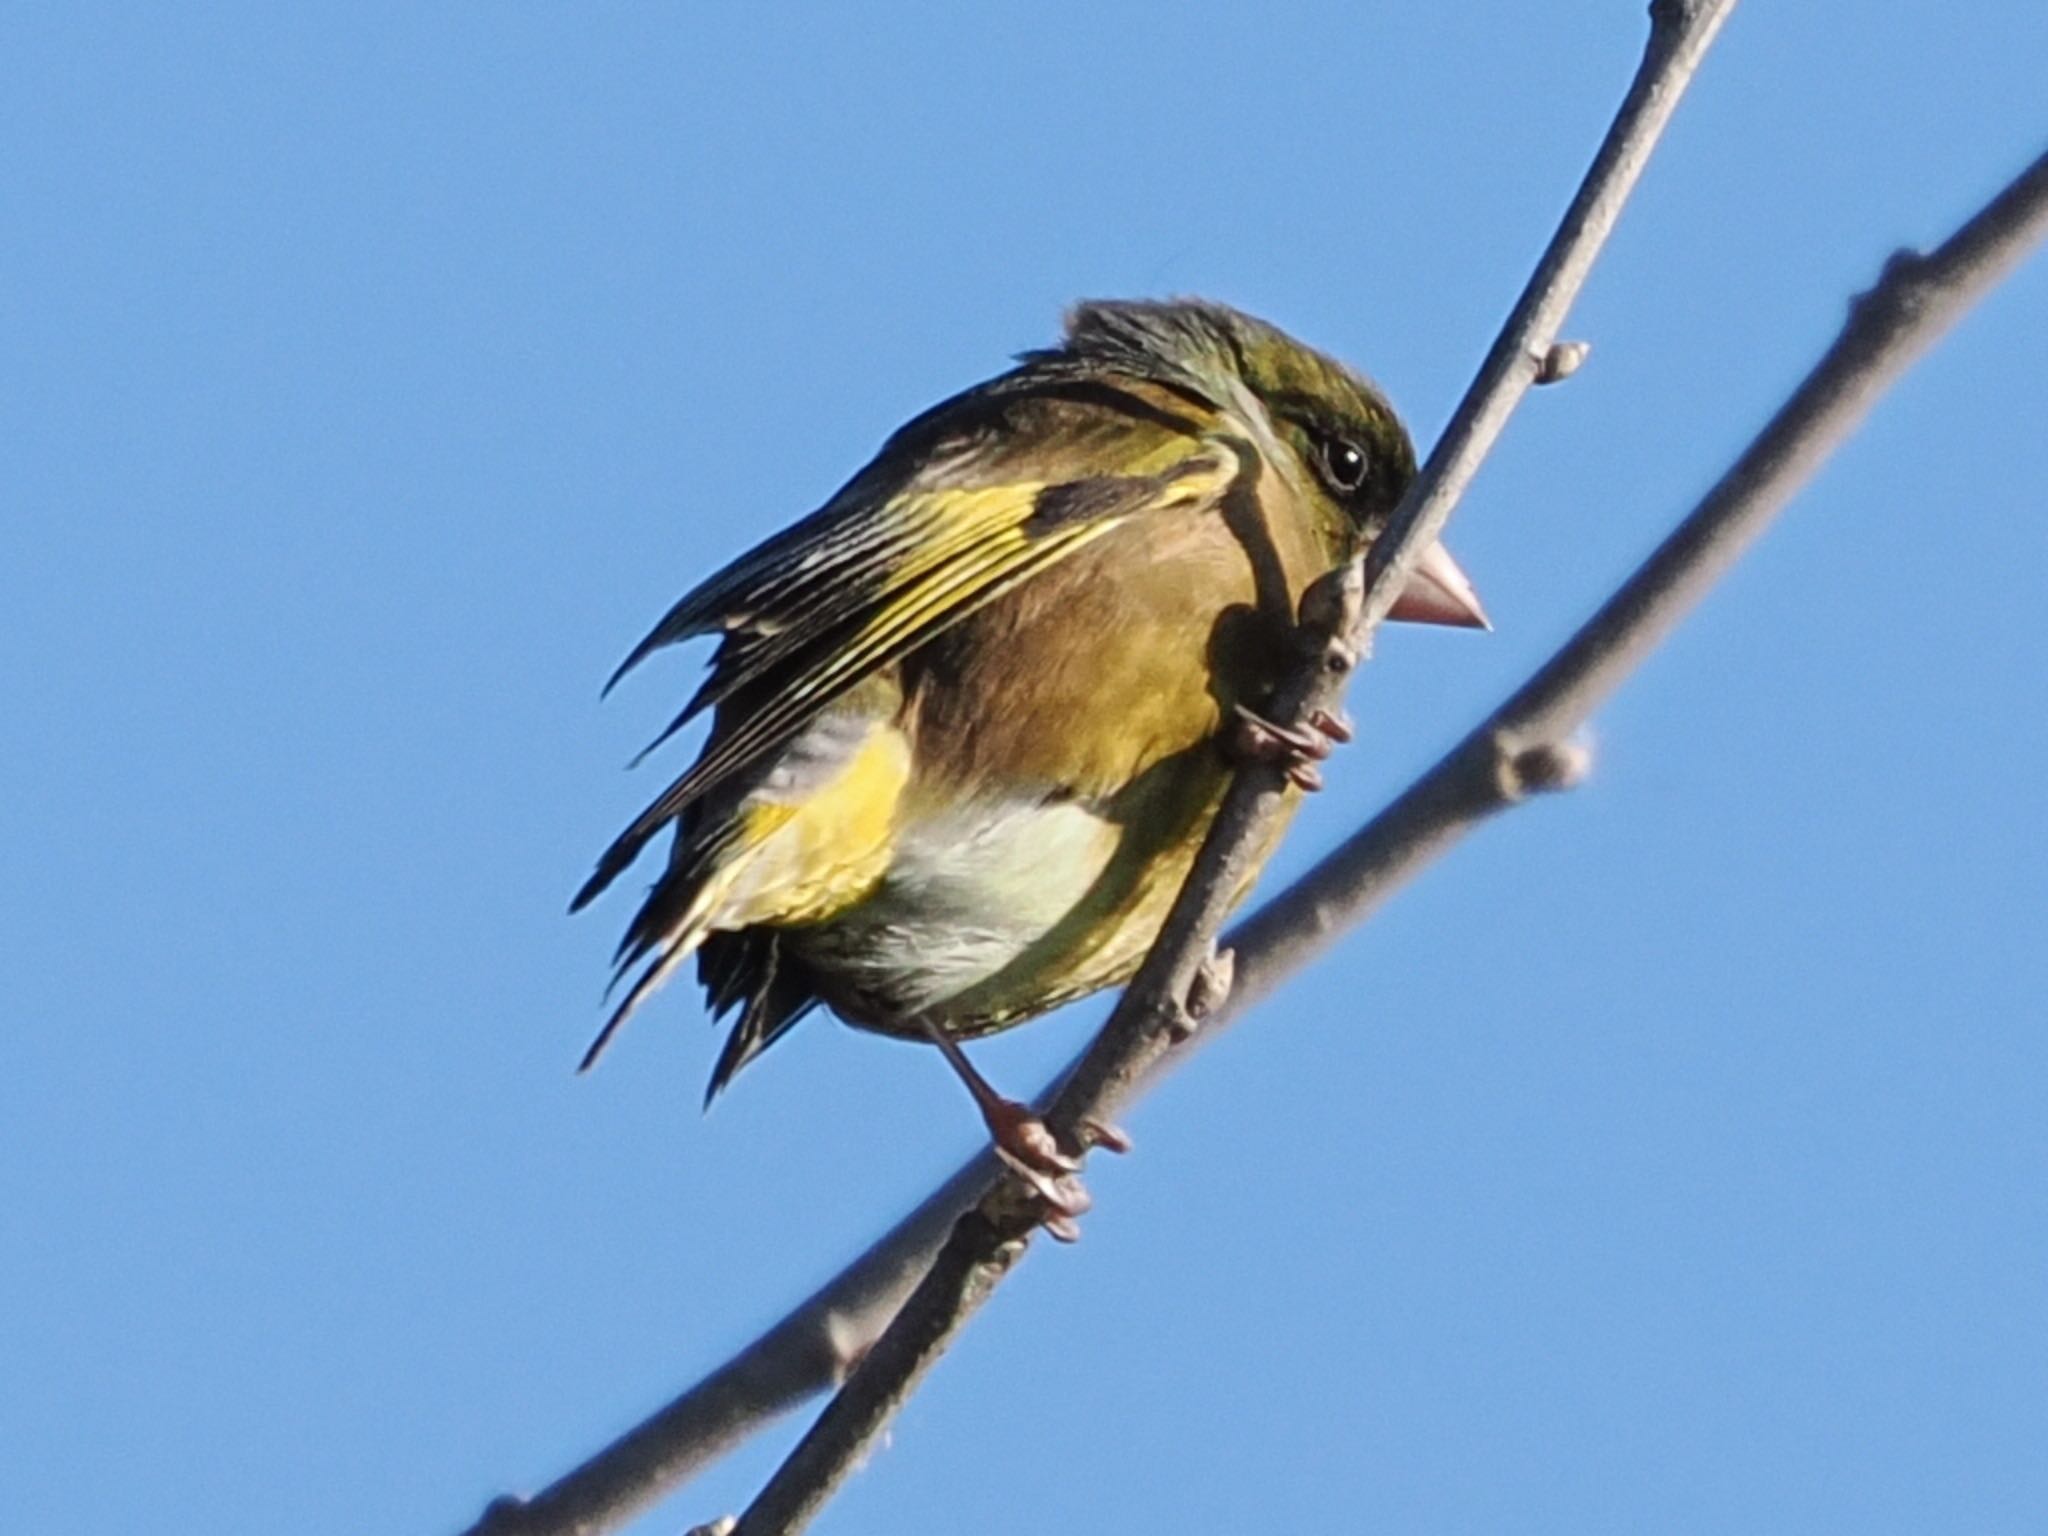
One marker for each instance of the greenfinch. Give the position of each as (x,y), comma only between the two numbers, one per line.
(971,719)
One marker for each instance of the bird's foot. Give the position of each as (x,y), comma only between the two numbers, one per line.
(1027,1145)
(1295,750)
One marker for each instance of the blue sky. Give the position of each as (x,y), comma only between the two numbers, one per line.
(1670,1158)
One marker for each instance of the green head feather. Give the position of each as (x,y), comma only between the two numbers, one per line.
(1339,427)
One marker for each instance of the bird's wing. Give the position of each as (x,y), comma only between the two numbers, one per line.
(870,577)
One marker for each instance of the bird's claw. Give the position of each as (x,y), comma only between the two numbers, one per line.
(1333,723)
(1029,1149)
(1111,1138)
(1061,1228)
(1025,1140)
(1296,750)
(1027,1146)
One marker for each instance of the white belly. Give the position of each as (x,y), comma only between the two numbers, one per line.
(967,892)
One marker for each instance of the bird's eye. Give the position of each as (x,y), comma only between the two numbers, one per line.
(1342,463)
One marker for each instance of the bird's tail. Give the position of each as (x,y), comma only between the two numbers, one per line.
(678,915)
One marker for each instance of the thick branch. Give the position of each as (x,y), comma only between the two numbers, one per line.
(1518,750)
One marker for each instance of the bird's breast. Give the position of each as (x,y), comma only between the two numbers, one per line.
(1064,770)
(971,889)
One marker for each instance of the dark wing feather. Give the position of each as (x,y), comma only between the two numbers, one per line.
(750,967)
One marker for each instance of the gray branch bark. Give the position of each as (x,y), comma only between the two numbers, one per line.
(1523,747)
(1338,616)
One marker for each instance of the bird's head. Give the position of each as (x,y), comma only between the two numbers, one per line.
(1331,432)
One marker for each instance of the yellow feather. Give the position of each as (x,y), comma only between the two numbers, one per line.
(803,861)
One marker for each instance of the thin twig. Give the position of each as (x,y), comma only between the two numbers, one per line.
(808,1350)
(1338,618)
(1526,745)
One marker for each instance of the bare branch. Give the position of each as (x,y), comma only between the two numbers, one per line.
(809,1351)
(1338,616)
(1522,748)
(1526,744)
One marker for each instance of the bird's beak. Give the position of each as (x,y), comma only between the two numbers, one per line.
(1438,592)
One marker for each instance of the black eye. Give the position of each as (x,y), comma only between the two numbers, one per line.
(1343,464)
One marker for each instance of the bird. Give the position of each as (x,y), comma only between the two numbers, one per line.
(971,718)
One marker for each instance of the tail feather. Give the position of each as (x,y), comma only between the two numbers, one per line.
(729,966)
(650,980)
(778,993)
(673,922)
(809,839)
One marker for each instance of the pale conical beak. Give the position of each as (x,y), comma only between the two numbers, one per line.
(1438,592)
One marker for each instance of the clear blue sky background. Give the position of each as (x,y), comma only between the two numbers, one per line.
(1672,1157)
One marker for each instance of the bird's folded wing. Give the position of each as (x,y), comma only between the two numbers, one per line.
(863,582)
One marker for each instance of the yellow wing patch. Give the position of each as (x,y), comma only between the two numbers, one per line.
(806,861)
(797,860)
